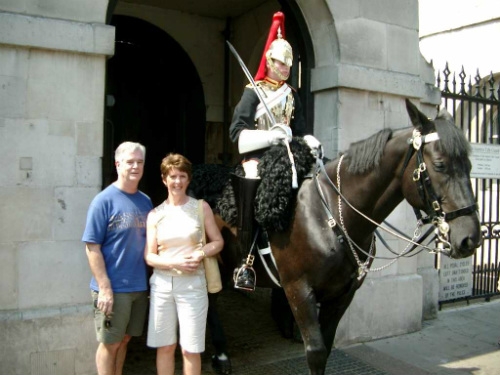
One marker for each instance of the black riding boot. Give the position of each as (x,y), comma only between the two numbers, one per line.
(244,193)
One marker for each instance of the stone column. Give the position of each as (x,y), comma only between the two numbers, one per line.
(52,69)
(367,62)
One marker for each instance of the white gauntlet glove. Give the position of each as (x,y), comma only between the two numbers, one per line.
(251,140)
(280,132)
(314,145)
(276,137)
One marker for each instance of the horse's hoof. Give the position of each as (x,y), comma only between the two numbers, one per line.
(221,366)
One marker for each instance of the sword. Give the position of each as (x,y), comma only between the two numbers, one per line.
(295,184)
(252,81)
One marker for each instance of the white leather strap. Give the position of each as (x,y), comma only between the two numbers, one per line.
(431,137)
(265,251)
(272,100)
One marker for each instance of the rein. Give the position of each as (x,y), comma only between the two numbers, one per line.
(437,217)
(363,268)
(322,170)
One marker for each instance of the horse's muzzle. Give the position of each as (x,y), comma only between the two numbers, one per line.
(467,246)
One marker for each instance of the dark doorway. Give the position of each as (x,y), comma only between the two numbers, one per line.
(155,97)
(297,34)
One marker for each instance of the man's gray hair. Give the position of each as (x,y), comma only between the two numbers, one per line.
(129,147)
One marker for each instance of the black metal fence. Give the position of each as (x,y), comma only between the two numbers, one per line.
(475,107)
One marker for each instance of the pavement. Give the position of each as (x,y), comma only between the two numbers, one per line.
(462,340)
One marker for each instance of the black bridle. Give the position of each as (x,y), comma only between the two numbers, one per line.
(436,216)
(435,213)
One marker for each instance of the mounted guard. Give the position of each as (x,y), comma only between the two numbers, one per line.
(268,113)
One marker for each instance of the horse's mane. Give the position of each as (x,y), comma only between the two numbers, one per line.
(452,141)
(365,155)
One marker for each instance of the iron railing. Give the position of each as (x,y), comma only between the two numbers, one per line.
(475,107)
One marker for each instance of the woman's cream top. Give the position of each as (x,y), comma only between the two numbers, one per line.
(178,233)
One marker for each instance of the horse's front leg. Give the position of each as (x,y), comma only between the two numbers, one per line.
(330,313)
(303,304)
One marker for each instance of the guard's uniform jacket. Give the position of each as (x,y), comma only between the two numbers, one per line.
(283,102)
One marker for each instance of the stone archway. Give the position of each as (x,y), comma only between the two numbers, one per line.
(154,96)
(322,44)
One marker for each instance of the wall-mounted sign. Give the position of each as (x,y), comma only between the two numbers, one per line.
(485,159)
(455,278)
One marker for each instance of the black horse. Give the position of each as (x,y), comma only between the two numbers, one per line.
(321,252)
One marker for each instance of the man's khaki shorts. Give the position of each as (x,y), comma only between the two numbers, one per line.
(128,317)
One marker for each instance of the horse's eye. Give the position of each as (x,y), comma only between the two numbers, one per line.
(439,166)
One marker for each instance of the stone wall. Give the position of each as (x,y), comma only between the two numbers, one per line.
(52,67)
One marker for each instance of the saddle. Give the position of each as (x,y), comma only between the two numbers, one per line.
(274,201)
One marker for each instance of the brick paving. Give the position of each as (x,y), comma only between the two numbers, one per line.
(339,363)
(254,344)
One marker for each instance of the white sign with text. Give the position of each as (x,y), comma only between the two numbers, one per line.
(455,278)
(485,159)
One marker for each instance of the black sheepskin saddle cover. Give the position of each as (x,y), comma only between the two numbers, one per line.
(208,182)
(275,199)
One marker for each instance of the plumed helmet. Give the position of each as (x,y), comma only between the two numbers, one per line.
(280,50)
(276,46)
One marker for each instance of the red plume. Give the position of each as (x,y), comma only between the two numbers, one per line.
(278,21)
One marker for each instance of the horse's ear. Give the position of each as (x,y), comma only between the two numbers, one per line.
(418,119)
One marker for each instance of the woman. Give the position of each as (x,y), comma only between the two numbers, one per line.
(178,286)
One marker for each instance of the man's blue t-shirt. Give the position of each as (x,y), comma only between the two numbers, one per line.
(117,221)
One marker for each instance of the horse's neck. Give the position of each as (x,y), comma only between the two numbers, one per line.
(391,166)
(377,193)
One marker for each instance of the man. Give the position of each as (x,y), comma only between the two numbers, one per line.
(254,132)
(115,236)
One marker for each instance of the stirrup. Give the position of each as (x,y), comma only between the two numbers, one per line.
(244,277)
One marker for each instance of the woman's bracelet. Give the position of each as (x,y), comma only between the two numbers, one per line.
(203,253)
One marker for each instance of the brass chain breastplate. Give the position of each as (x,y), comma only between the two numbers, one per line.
(281,107)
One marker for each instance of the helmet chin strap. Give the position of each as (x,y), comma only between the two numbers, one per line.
(276,71)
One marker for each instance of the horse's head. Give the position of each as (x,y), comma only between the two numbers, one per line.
(436,180)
